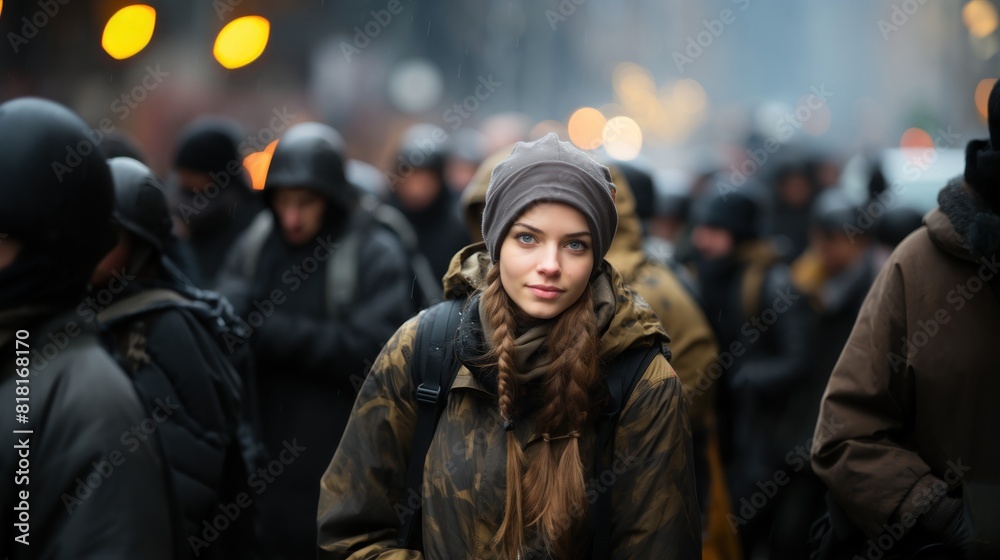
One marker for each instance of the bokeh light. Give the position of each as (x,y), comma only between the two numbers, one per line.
(128,31)
(241,41)
(980,17)
(257,165)
(586,127)
(689,96)
(983,95)
(416,85)
(622,138)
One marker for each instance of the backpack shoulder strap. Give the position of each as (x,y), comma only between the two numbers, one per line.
(624,373)
(342,267)
(433,367)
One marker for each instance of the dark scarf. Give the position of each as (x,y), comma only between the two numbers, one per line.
(531,355)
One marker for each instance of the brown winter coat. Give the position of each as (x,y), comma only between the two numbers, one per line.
(654,510)
(913,398)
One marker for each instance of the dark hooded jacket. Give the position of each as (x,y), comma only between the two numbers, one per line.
(81,477)
(440,234)
(655,512)
(215,217)
(165,343)
(764,326)
(908,406)
(311,360)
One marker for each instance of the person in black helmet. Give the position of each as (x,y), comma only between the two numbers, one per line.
(322,286)
(421,194)
(160,331)
(213,200)
(83,480)
(763,328)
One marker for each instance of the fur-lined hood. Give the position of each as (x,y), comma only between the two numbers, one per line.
(963,225)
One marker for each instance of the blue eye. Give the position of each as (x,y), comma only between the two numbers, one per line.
(525,238)
(577,245)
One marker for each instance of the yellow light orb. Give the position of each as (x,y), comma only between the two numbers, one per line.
(980,17)
(241,41)
(622,138)
(128,31)
(983,96)
(585,128)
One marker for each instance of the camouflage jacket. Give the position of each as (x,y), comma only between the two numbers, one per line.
(655,514)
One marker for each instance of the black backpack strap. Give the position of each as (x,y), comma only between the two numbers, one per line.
(624,373)
(433,367)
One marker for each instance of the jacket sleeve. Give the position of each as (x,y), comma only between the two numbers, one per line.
(361,492)
(692,343)
(859,451)
(122,509)
(316,346)
(792,329)
(656,512)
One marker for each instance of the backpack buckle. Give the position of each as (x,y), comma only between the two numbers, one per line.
(428,394)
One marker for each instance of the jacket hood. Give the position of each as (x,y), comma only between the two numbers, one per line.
(626,253)
(311,156)
(633,324)
(962,225)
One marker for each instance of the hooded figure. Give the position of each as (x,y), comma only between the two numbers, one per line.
(322,286)
(79,481)
(212,201)
(420,193)
(166,335)
(763,327)
(505,473)
(902,441)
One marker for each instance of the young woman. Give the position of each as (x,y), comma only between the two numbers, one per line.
(508,473)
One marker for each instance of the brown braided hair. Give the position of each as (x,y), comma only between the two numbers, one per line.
(547,493)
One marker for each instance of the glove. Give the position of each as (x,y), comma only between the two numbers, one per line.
(950,521)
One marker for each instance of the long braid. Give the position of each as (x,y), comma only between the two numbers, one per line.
(499,310)
(549,491)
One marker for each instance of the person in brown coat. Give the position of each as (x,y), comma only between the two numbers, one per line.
(905,438)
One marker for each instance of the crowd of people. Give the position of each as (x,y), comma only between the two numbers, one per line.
(494,348)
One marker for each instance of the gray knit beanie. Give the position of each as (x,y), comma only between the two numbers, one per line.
(548,170)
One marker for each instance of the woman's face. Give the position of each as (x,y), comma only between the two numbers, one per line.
(546,259)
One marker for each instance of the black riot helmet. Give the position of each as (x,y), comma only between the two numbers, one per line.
(56,197)
(141,205)
(311,155)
